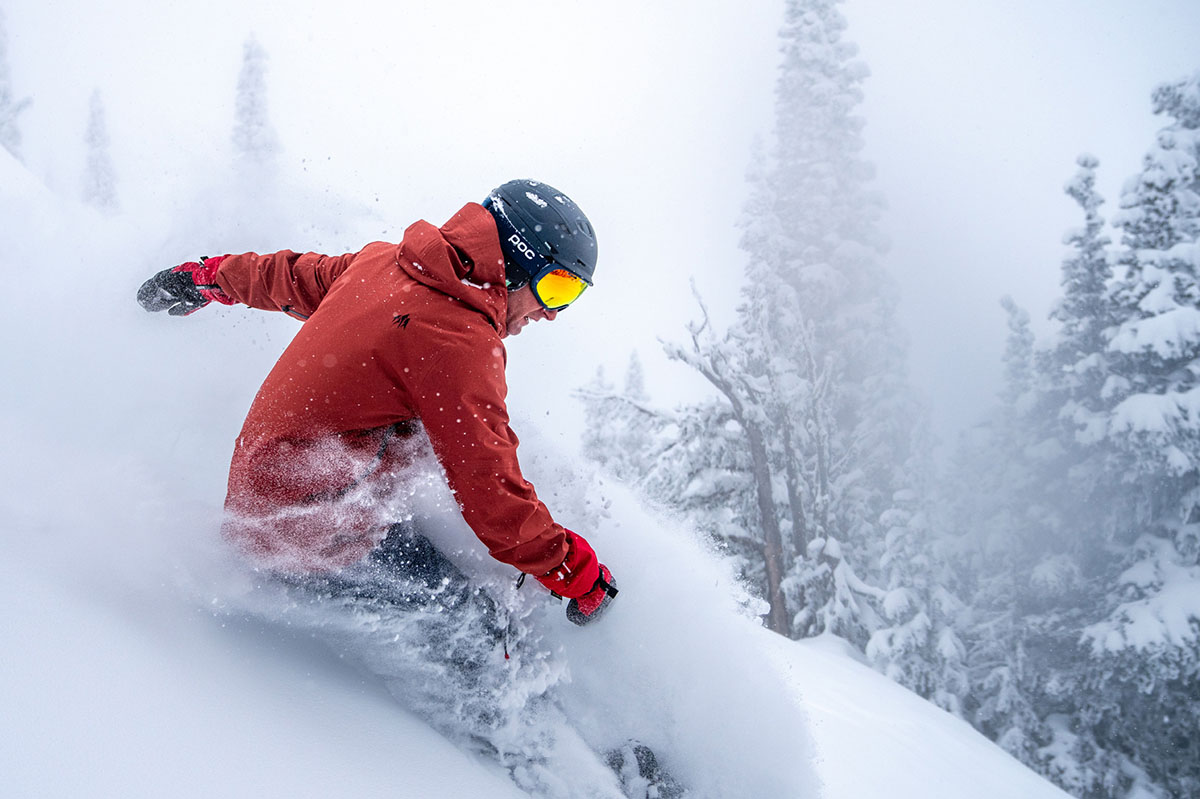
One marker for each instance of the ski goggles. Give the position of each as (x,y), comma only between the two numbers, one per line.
(556,288)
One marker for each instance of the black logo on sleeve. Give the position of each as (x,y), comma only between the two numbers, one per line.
(400,320)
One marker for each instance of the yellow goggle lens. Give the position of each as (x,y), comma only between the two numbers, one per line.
(559,288)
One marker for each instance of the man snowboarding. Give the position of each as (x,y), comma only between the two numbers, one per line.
(395,335)
(398,337)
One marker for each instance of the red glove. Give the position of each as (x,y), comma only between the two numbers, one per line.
(185,289)
(591,606)
(582,579)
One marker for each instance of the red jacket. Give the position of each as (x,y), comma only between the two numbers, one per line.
(392,334)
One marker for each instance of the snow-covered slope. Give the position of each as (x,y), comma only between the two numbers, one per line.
(108,692)
(876,739)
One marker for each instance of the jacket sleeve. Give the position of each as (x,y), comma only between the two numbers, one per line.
(461,402)
(283,281)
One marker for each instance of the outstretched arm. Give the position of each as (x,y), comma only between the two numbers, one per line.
(283,281)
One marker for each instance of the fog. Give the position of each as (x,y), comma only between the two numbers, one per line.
(975,114)
(647,115)
(119,424)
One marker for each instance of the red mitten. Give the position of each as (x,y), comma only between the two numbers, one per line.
(589,607)
(184,289)
(582,579)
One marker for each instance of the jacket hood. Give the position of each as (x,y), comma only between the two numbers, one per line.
(461,259)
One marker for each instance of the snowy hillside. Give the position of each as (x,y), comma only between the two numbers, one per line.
(128,670)
(112,690)
(111,695)
(874,738)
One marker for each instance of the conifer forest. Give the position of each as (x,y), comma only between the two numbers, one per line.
(1044,584)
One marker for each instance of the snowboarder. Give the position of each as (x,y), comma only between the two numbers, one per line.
(397,335)
(394,337)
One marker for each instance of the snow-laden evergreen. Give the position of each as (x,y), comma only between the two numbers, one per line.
(1078,364)
(1147,646)
(620,422)
(11,105)
(254,139)
(921,646)
(1009,557)
(1076,507)
(802,466)
(99,178)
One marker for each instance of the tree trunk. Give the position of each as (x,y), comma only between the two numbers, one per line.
(799,523)
(777,617)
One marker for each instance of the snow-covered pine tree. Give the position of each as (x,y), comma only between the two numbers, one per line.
(805,443)
(99,178)
(1097,518)
(1145,676)
(599,398)
(1154,422)
(920,648)
(1018,358)
(10,106)
(857,430)
(1079,503)
(1019,564)
(993,486)
(254,139)
(1085,493)
(1078,366)
(621,429)
(1074,371)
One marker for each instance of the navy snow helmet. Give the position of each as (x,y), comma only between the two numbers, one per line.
(541,228)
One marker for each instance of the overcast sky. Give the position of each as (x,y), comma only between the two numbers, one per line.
(645,112)
(975,115)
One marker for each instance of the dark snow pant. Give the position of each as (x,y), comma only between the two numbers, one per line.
(420,592)
(405,571)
